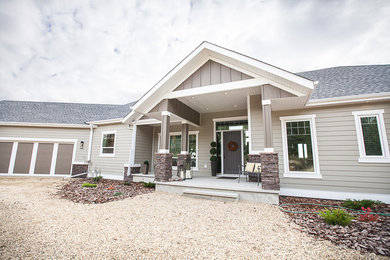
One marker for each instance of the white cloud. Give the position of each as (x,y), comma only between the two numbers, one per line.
(114,51)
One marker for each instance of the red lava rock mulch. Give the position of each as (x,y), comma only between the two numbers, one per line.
(74,191)
(364,236)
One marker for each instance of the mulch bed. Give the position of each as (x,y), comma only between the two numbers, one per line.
(364,236)
(104,192)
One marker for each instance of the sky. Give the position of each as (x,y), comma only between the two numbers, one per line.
(112,52)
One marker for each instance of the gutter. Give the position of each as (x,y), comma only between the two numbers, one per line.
(349,99)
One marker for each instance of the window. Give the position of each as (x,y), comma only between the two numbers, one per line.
(371,135)
(108,144)
(175,147)
(300,147)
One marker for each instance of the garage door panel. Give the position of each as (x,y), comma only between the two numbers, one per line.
(64,159)
(43,161)
(5,156)
(23,158)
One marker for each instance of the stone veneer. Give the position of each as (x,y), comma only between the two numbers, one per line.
(80,168)
(133,169)
(269,170)
(163,167)
(182,159)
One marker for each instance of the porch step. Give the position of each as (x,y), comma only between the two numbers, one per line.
(211,195)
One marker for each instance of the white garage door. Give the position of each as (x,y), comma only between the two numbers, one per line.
(36,158)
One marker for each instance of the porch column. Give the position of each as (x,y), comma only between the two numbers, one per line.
(184,158)
(163,160)
(267,121)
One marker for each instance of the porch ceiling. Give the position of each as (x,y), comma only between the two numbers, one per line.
(220,101)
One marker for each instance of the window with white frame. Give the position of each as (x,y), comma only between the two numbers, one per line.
(371,136)
(300,147)
(175,147)
(108,144)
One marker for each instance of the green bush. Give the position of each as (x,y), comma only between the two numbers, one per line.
(89,185)
(149,185)
(97,178)
(213,151)
(336,217)
(358,204)
(213,144)
(127,183)
(118,193)
(146,162)
(213,158)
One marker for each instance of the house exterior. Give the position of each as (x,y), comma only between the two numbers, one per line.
(319,133)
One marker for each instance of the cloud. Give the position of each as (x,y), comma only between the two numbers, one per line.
(114,51)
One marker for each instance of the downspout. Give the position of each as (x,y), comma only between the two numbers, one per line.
(91,126)
(132,150)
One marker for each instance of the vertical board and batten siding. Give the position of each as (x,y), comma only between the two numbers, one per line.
(256,123)
(143,145)
(338,151)
(81,134)
(112,167)
(212,73)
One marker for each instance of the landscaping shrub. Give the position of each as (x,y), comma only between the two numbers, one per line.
(358,204)
(118,193)
(336,217)
(89,185)
(97,178)
(149,185)
(127,183)
(367,216)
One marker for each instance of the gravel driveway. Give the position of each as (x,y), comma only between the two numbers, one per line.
(34,223)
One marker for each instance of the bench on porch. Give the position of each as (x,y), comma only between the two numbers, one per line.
(250,169)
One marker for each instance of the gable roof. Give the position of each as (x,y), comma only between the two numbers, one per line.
(349,80)
(60,113)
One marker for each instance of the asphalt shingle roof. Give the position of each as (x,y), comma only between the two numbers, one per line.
(333,82)
(64,113)
(349,80)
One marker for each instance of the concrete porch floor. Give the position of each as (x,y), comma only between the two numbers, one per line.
(220,189)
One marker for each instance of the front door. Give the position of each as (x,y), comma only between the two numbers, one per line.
(231,152)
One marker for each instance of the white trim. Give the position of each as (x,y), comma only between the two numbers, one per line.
(166,113)
(90,143)
(106,121)
(43,124)
(13,157)
(101,144)
(110,177)
(54,159)
(363,158)
(336,195)
(184,152)
(163,151)
(33,158)
(223,87)
(349,99)
(149,121)
(84,163)
(268,150)
(298,174)
(41,140)
(234,118)
(248,109)
(133,143)
(266,102)
(36,175)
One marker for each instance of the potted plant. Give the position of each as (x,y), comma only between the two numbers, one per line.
(213,158)
(182,171)
(145,169)
(188,170)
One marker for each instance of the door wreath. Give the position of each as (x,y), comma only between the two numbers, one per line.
(232,146)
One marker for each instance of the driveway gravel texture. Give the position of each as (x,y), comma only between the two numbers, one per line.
(36,224)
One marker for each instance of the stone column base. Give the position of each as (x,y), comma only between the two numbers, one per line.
(80,168)
(163,167)
(125,176)
(270,171)
(182,161)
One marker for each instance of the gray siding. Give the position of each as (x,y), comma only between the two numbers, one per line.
(113,166)
(81,134)
(256,123)
(143,146)
(338,151)
(212,73)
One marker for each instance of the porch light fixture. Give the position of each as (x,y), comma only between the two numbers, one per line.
(226,93)
(235,105)
(82,145)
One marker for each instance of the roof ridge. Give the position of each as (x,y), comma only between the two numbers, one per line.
(68,103)
(345,66)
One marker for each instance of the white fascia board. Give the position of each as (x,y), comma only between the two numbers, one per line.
(261,65)
(248,83)
(349,99)
(44,125)
(106,122)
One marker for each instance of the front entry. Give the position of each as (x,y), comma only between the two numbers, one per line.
(232,153)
